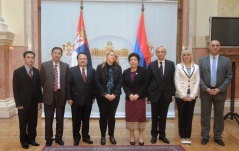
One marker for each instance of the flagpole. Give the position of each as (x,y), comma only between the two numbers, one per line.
(142,9)
(81,5)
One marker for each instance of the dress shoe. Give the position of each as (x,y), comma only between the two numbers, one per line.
(164,139)
(132,143)
(59,141)
(141,143)
(76,143)
(102,141)
(219,142)
(34,143)
(25,146)
(153,140)
(49,143)
(88,141)
(112,140)
(204,141)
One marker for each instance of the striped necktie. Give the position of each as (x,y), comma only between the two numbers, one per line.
(30,73)
(56,78)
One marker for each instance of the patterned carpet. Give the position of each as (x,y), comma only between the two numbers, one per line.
(116,148)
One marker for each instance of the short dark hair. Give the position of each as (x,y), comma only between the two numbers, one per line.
(81,53)
(28,52)
(133,55)
(54,48)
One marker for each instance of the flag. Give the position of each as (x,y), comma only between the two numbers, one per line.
(141,44)
(81,43)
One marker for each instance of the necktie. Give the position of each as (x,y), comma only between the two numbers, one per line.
(56,79)
(213,72)
(161,70)
(83,75)
(30,73)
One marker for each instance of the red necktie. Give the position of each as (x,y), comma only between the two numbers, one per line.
(83,75)
(56,78)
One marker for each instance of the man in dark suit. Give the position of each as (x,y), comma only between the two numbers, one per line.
(80,95)
(161,89)
(27,94)
(53,82)
(216,74)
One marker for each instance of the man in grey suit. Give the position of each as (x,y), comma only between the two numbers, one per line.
(215,76)
(53,82)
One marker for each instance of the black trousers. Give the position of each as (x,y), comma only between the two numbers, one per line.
(185,117)
(107,115)
(49,117)
(159,111)
(80,115)
(28,123)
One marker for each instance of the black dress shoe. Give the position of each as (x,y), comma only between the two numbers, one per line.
(59,141)
(88,141)
(25,146)
(76,143)
(112,140)
(102,141)
(153,140)
(132,143)
(219,142)
(204,141)
(49,143)
(34,143)
(164,139)
(141,143)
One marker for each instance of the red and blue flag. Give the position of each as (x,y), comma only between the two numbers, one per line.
(141,44)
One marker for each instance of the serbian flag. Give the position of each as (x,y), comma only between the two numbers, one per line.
(141,44)
(81,43)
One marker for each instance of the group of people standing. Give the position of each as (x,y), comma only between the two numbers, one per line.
(81,85)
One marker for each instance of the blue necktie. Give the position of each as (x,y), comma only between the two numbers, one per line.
(213,72)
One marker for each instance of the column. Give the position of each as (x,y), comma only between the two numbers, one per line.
(7,104)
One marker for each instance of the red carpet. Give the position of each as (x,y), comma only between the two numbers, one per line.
(116,148)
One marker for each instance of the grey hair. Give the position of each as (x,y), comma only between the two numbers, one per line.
(160,47)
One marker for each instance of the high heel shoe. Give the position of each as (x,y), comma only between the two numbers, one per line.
(141,143)
(132,143)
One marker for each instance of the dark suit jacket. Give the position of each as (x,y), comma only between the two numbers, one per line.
(77,90)
(224,76)
(156,84)
(138,86)
(102,77)
(26,91)
(47,82)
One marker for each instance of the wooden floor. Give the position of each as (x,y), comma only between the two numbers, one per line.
(9,135)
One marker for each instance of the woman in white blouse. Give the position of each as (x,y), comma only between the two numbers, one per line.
(187,86)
